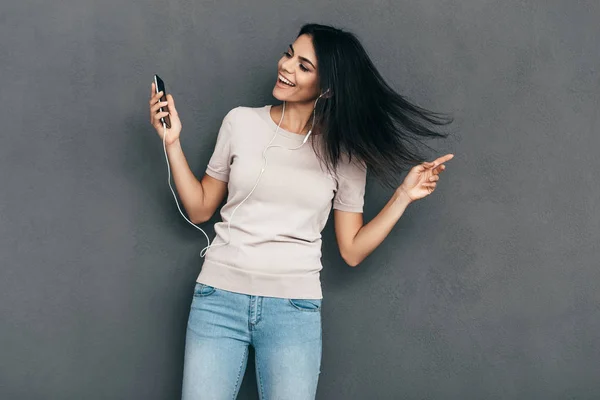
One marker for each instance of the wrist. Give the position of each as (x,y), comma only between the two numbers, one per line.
(401,196)
(174,144)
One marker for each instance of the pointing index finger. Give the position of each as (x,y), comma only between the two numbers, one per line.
(443,159)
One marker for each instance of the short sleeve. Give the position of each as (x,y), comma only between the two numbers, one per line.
(219,164)
(351,182)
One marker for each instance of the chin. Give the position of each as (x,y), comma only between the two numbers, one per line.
(274,93)
(290,99)
(281,97)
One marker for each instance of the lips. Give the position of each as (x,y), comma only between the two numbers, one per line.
(282,85)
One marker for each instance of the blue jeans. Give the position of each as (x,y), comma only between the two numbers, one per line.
(285,334)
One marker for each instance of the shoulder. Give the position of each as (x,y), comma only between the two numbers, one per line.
(351,169)
(243,113)
(242,119)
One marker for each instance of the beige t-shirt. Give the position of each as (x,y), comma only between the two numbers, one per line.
(275,243)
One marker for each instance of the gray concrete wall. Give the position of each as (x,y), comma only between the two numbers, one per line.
(488,289)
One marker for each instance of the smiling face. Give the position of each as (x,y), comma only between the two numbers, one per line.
(298,66)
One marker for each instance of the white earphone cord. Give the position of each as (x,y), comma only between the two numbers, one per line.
(204,250)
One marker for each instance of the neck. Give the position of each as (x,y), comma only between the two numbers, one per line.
(297,117)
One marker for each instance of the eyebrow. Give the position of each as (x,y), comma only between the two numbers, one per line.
(303,58)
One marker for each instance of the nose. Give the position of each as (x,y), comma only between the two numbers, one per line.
(286,64)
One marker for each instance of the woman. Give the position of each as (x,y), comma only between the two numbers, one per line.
(261,285)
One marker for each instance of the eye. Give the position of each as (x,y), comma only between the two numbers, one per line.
(302,67)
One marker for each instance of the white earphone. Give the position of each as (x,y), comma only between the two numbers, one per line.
(203,252)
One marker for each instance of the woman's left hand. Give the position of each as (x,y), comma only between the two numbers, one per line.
(422,179)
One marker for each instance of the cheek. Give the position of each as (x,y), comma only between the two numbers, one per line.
(307,82)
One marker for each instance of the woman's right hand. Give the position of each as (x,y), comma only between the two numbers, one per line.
(173,132)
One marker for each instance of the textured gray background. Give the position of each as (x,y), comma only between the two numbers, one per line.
(488,289)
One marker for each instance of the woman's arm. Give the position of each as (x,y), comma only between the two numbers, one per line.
(355,240)
(199,198)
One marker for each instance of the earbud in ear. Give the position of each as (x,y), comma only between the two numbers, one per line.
(326,93)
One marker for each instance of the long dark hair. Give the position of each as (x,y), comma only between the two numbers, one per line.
(364,117)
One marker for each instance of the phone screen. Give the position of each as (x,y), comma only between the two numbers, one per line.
(160,85)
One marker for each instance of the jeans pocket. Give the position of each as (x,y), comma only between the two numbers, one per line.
(310,305)
(203,290)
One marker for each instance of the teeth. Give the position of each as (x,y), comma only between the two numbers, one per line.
(282,79)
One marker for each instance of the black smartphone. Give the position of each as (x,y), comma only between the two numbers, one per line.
(160,85)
